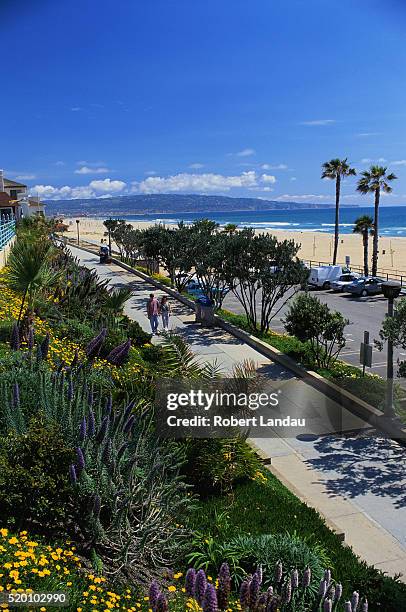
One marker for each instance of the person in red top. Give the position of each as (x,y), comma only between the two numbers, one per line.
(153,313)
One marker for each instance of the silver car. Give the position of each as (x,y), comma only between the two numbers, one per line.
(343,281)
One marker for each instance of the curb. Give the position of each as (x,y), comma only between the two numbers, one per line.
(357,406)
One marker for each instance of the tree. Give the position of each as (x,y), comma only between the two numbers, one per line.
(336,169)
(394,329)
(209,254)
(313,322)
(374,181)
(262,273)
(364,226)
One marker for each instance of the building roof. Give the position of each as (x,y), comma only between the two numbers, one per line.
(8,183)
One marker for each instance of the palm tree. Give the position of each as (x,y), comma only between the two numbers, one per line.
(335,169)
(374,181)
(29,270)
(364,226)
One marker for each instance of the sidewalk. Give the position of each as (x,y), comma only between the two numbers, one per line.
(356,483)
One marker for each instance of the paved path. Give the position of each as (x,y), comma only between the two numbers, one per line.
(357,482)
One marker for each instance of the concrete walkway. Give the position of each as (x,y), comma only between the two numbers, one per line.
(357,481)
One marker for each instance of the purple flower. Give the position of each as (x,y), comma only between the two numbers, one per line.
(347,606)
(327,576)
(294,576)
(16,395)
(287,592)
(15,338)
(327,605)
(106,454)
(245,593)
(307,576)
(121,451)
(80,464)
(224,586)
(103,429)
(83,428)
(44,347)
(72,474)
(128,426)
(355,601)
(30,339)
(119,354)
(259,572)
(108,406)
(153,594)
(200,586)
(278,572)
(210,599)
(92,424)
(161,604)
(365,606)
(272,605)
(322,588)
(93,348)
(90,397)
(262,601)
(254,590)
(128,411)
(96,505)
(339,592)
(70,389)
(190,581)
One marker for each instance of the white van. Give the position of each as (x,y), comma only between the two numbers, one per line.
(323,276)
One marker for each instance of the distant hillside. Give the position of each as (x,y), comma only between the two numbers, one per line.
(169,203)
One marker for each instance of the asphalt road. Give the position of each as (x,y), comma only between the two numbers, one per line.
(364,314)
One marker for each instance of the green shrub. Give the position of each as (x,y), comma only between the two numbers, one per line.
(34,483)
(75,331)
(5,330)
(137,335)
(216,465)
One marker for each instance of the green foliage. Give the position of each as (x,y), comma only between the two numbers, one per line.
(216,465)
(34,483)
(310,320)
(75,331)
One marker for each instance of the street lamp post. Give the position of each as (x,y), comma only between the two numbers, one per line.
(391,290)
(78,231)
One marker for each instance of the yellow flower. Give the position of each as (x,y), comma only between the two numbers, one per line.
(172,588)
(4,532)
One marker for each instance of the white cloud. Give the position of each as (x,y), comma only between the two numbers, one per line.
(196,166)
(87,170)
(368,160)
(95,189)
(399,162)
(76,109)
(245,153)
(268,178)
(293,178)
(150,172)
(274,167)
(318,122)
(185,182)
(59,163)
(306,197)
(366,134)
(25,177)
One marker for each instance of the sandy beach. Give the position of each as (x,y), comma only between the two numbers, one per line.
(315,246)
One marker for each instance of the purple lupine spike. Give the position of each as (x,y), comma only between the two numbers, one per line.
(30,339)
(128,426)
(45,347)
(70,389)
(116,350)
(322,588)
(96,505)
(270,591)
(272,605)
(93,348)
(200,586)
(327,576)
(72,474)
(245,594)
(15,338)
(365,606)
(254,591)
(331,592)
(224,587)
(92,424)
(327,605)
(210,603)
(119,354)
(106,453)
(153,594)
(121,451)
(83,430)
(287,592)
(16,395)
(278,572)
(128,411)
(260,573)
(162,604)
(103,430)
(190,582)
(354,601)
(108,406)
(294,578)
(307,577)
(339,592)
(80,464)
(347,606)
(262,602)
(90,397)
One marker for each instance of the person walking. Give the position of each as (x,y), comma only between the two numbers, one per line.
(152,313)
(165,310)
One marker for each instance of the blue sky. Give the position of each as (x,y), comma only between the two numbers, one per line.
(216,96)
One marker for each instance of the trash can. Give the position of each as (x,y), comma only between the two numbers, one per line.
(206,311)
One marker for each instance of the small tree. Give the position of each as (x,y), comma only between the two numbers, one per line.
(394,329)
(364,226)
(210,247)
(313,322)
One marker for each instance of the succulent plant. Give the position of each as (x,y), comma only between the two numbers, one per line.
(15,338)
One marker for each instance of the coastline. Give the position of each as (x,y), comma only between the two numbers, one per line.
(315,246)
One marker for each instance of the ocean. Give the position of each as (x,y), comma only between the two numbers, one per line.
(392,219)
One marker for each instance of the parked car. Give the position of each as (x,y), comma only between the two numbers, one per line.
(104,255)
(365,285)
(323,276)
(343,281)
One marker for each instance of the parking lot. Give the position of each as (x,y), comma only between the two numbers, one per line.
(364,314)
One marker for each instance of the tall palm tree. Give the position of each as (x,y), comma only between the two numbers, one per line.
(364,226)
(336,169)
(374,181)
